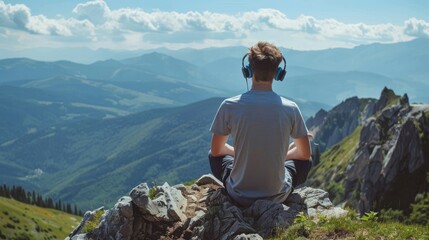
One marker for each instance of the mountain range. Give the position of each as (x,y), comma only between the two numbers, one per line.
(85,132)
(99,158)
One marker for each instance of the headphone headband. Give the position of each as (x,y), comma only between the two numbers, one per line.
(247,71)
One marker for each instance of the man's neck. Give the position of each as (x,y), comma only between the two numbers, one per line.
(262,86)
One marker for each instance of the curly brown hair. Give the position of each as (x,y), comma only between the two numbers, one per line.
(264,59)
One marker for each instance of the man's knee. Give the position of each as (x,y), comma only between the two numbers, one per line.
(215,165)
(302,168)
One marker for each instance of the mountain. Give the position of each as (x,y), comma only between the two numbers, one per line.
(25,221)
(112,153)
(331,127)
(103,89)
(405,60)
(332,75)
(102,157)
(328,76)
(383,162)
(28,110)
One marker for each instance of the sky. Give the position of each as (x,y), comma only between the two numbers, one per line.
(174,24)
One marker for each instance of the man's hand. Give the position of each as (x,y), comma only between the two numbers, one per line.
(300,149)
(220,147)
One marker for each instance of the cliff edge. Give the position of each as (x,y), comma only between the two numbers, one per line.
(200,211)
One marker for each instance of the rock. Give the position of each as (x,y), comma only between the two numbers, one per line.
(140,217)
(195,187)
(224,222)
(248,237)
(78,237)
(263,217)
(182,188)
(208,179)
(197,220)
(318,203)
(331,127)
(318,119)
(117,223)
(389,164)
(266,216)
(87,217)
(168,203)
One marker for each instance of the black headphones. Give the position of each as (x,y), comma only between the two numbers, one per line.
(247,71)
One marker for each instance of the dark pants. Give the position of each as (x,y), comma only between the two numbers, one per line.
(221,168)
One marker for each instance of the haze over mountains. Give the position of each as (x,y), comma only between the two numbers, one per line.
(87,132)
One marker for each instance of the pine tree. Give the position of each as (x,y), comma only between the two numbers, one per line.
(28,198)
(6,191)
(49,203)
(69,209)
(33,197)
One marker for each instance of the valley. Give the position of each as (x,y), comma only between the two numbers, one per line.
(87,132)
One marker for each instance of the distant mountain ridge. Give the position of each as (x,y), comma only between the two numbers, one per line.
(345,72)
(331,127)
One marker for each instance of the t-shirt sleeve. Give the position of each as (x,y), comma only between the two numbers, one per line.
(220,123)
(299,128)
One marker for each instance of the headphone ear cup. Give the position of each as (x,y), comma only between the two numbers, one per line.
(247,72)
(280,75)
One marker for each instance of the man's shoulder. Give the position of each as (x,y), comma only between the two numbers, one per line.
(232,100)
(287,102)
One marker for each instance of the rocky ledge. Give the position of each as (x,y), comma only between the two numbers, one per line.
(200,211)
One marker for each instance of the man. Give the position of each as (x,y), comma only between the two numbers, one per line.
(261,164)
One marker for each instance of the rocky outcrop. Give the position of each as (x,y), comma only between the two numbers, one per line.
(391,162)
(331,127)
(201,211)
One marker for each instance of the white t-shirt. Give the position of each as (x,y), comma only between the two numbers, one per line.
(260,123)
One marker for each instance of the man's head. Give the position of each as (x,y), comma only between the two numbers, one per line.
(264,59)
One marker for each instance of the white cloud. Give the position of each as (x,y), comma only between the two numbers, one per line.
(95,24)
(19,17)
(94,11)
(417,28)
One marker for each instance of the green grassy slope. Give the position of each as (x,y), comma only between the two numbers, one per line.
(330,173)
(23,221)
(350,228)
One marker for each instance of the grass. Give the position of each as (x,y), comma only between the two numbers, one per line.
(330,172)
(93,223)
(24,221)
(350,227)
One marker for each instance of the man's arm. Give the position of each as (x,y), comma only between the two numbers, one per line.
(220,147)
(299,149)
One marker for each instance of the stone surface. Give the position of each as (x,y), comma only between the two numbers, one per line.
(389,164)
(116,223)
(208,179)
(219,219)
(331,127)
(168,203)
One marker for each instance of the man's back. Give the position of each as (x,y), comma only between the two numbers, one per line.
(260,164)
(260,123)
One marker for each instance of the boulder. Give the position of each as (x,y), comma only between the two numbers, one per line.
(390,162)
(168,203)
(164,213)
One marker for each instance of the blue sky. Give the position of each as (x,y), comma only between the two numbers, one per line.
(367,11)
(137,24)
